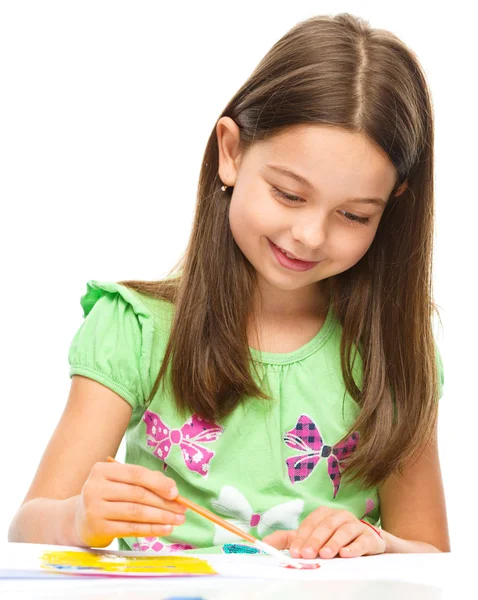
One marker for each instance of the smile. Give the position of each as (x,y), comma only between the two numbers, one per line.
(285,259)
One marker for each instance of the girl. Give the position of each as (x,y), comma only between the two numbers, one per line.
(285,374)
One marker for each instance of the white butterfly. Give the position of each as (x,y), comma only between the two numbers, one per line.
(233,503)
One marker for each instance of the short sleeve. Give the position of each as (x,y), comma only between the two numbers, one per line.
(113,344)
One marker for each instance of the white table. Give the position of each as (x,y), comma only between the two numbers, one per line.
(385,577)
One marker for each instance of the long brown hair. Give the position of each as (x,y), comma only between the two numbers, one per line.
(333,70)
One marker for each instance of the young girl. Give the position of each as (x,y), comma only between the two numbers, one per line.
(284,375)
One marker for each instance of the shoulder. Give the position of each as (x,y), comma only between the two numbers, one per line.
(112,292)
(108,298)
(117,341)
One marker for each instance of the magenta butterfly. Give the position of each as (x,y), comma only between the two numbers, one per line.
(306,437)
(153,543)
(196,457)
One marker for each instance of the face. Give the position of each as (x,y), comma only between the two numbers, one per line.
(327,225)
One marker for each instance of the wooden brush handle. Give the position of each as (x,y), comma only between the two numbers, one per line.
(215,519)
(207,514)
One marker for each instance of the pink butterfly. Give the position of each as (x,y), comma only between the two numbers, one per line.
(306,437)
(196,429)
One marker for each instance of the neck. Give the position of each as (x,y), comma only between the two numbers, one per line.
(304,303)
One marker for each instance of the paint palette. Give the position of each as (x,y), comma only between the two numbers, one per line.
(107,564)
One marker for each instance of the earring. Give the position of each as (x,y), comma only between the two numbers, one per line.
(224,187)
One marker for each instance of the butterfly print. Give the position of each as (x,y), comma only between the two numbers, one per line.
(306,437)
(195,432)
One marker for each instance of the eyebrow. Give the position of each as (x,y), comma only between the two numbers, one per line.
(305,182)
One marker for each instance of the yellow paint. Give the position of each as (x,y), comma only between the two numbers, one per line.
(68,561)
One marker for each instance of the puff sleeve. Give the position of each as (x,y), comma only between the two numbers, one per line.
(113,344)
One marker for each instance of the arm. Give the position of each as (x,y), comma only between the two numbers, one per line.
(77,498)
(413,514)
(412,506)
(91,428)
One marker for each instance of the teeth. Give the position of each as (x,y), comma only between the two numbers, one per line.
(286,254)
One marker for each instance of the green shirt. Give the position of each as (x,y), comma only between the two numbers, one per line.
(266,466)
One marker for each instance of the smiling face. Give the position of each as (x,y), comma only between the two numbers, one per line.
(330,222)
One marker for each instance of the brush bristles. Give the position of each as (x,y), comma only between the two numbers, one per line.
(278,554)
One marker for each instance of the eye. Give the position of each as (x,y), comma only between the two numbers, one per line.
(355,218)
(289,198)
(295,200)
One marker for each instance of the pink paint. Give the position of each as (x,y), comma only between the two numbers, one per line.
(302,566)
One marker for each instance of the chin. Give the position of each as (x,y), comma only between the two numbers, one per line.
(288,283)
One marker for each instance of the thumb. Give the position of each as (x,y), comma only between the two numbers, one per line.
(281,539)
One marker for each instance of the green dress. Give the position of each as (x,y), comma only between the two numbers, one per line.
(266,466)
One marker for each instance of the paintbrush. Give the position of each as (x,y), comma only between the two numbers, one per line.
(259,544)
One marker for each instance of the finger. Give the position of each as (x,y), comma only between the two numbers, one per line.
(138,513)
(343,536)
(137,475)
(308,547)
(308,525)
(123,529)
(125,492)
(281,540)
(362,545)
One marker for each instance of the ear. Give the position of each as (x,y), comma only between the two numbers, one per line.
(401,189)
(228,141)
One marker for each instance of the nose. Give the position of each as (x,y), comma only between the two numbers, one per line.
(311,233)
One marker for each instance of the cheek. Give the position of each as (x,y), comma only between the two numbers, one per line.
(353,247)
(252,214)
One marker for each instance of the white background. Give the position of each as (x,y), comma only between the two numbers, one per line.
(105,110)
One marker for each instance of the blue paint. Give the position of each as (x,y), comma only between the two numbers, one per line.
(240,549)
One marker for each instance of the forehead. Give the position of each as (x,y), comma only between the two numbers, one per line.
(328,157)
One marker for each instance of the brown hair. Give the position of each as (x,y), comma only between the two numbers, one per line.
(331,70)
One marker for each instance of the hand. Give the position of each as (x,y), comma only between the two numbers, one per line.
(328,532)
(121,500)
